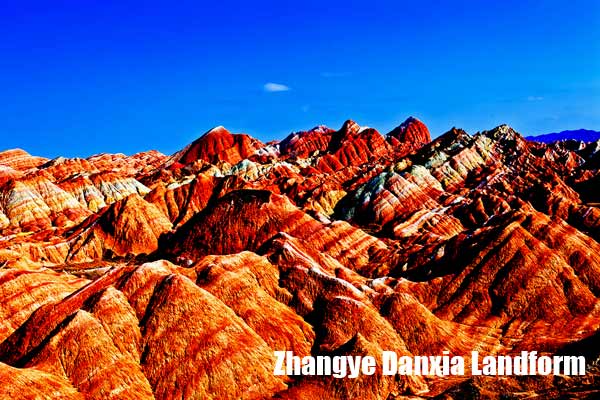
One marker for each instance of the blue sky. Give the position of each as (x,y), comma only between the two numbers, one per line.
(83,77)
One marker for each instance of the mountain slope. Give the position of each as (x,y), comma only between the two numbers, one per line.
(162,277)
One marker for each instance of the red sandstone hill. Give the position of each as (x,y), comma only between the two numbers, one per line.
(168,277)
(411,135)
(219,144)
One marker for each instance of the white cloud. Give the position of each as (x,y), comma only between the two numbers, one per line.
(535,98)
(275,87)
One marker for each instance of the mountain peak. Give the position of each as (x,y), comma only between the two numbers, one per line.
(218,144)
(410,135)
(350,127)
(217,129)
(502,132)
(19,159)
(410,120)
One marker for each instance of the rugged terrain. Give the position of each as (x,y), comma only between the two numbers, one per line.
(168,277)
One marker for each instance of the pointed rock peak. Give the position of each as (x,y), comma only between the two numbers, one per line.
(350,127)
(411,120)
(317,130)
(457,133)
(217,130)
(504,129)
(453,137)
(321,129)
(502,132)
(411,131)
(304,143)
(314,130)
(218,144)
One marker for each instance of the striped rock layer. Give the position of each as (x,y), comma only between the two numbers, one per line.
(168,277)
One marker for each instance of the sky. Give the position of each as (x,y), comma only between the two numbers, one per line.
(82,77)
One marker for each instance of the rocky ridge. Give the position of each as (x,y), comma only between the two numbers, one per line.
(161,277)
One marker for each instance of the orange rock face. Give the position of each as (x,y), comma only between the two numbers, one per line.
(411,135)
(20,160)
(304,144)
(219,144)
(169,277)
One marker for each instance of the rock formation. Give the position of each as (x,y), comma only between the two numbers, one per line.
(166,277)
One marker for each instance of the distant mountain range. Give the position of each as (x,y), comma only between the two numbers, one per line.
(585,135)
